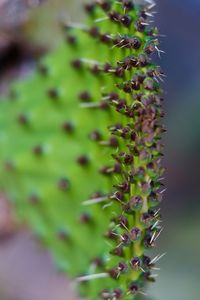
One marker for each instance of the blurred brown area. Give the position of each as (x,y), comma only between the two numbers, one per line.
(27,272)
(14,12)
(26,30)
(17,53)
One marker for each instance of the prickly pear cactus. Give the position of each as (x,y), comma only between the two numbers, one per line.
(80,150)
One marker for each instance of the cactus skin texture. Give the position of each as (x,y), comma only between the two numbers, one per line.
(80,149)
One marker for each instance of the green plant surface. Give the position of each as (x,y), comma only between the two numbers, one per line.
(33,178)
(81,154)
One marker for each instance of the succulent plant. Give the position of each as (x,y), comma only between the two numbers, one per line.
(80,149)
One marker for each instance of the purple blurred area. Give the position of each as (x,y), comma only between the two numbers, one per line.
(180,22)
(27,272)
(17,54)
(180,268)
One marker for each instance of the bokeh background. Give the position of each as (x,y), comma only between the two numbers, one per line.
(26,270)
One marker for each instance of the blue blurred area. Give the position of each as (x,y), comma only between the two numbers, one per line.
(179,20)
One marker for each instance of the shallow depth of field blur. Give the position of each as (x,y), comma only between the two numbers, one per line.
(26,28)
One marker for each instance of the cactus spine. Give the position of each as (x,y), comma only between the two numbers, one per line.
(111,74)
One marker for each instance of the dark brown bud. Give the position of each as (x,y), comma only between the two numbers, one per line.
(43,70)
(127,209)
(127,87)
(122,221)
(33,198)
(125,132)
(117,196)
(83,160)
(124,186)
(111,235)
(135,234)
(122,267)
(104,105)
(106,170)
(107,67)
(121,106)
(97,194)
(94,32)
(145,186)
(85,96)
(128,159)
(114,16)
(64,184)
(98,262)
(126,20)
(62,235)
(105,294)
(95,70)
(113,142)
(133,288)
(134,43)
(114,273)
(133,136)
(128,5)
(71,39)
(85,218)
(68,127)
(104,38)
(117,168)
(150,48)
(154,199)
(147,262)
(146,219)
(119,72)
(143,60)
(77,64)
(135,263)
(118,251)
(148,242)
(38,150)
(125,239)
(53,93)
(113,96)
(23,119)
(105,5)
(95,135)
(117,293)
(135,84)
(9,166)
(129,62)
(149,84)
(89,7)
(140,26)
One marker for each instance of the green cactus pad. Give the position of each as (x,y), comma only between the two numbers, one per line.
(80,150)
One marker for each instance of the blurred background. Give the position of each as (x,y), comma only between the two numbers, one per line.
(26,270)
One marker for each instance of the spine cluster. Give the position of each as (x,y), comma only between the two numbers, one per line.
(135,98)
